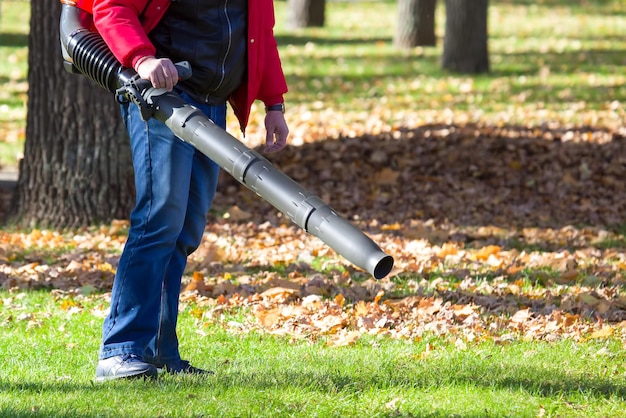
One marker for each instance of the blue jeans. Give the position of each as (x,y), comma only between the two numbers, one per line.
(175,186)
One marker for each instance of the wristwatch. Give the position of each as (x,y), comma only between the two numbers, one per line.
(277,106)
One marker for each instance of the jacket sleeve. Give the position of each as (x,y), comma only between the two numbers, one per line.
(118,23)
(273,85)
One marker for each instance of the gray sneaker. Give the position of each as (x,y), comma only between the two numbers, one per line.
(124,367)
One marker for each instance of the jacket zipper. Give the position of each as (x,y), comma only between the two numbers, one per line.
(222,69)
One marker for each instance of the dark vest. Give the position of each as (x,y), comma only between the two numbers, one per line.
(212,36)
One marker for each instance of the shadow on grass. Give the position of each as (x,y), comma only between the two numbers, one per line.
(569,62)
(400,65)
(609,7)
(34,412)
(299,40)
(14,39)
(538,381)
(501,374)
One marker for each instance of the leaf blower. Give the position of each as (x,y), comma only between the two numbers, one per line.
(85,52)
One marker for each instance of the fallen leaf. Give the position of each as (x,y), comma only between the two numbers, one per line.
(344,338)
(604,332)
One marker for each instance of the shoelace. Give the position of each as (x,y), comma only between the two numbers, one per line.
(128,358)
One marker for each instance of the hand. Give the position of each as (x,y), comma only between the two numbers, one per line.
(277,131)
(160,71)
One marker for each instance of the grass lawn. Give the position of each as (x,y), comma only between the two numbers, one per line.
(14,25)
(49,342)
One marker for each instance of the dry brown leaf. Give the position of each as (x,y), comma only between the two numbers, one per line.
(568,276)
(196,283)
(604,332)
(340,300)
(279,293)
(269,318)
(486,252)
(312,302)
(386,177)
(344,338)
(379,296)
(521,316)
(235,214)
(463,311)
(447,249)
(329,324)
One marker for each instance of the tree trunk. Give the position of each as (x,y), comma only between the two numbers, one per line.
(416,24)
(465,42)
(77,167)
(305,13)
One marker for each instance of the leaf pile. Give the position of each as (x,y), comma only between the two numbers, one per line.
(498,232)
(466,174)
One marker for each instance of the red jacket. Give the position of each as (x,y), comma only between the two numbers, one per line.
(124,25)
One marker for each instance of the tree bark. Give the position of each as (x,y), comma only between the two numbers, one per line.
(305,13)
(465,47)
(77,167)
(416,24)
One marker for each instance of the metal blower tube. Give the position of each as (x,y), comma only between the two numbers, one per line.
(255,172)
(247,166)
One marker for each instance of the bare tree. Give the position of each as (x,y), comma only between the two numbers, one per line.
(465,43)
(416,23)
(77,168)
(306,13)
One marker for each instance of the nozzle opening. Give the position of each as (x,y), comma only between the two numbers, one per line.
(383,267)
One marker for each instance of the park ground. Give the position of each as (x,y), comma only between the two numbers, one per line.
(500,196)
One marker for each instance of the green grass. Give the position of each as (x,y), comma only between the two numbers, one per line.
(534,65)
(262,375)
(539,72)
(348,72)
(14,26)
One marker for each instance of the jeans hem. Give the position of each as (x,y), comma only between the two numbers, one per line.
(119,351)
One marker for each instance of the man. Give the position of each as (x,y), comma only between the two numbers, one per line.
(234,58)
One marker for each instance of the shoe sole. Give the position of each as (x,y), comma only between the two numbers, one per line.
(145,375)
